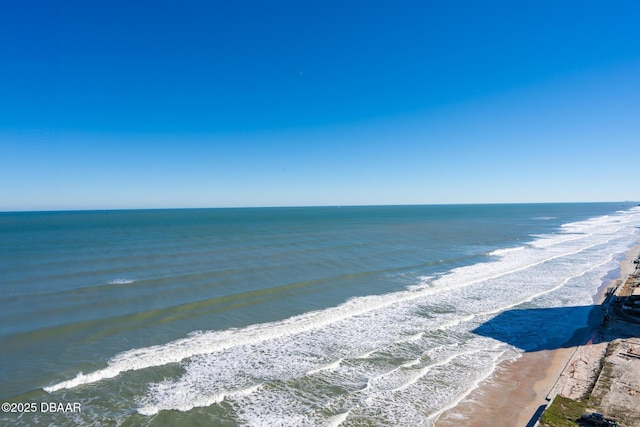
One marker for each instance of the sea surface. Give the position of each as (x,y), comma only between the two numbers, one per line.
(324,316)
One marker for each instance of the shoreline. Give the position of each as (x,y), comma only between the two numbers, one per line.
(516,393)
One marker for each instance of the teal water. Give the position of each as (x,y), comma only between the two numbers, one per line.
(297,316)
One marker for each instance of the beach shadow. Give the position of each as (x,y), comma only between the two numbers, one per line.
(543,328)
(534,419)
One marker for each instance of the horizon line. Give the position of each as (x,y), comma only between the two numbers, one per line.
(307,206)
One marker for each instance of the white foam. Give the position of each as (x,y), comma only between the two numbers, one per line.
(121,281)
(433,417)
(411,337)
(420,373)
(329,366)
(197,401)
(423,282)
(411,363)
(501,252)
(336,420)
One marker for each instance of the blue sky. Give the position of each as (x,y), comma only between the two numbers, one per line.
(255,103)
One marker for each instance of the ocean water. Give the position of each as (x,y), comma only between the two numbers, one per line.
(368,316)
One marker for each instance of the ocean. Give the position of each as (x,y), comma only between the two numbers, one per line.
(318,316)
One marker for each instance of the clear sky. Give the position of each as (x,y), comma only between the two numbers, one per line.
(134,104)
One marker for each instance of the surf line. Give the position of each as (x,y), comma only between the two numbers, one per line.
(217,341)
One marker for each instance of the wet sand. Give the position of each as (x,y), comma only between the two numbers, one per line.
(513,394)
(516,393)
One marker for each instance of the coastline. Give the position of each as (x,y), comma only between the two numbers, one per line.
(515,394)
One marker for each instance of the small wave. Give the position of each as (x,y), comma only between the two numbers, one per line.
(421,373)
(412,337)
(332,365)
(81,379)
(500,252)
(121,281)
(200,401)
(337,420)
(411,363)
(472,386)
(423,282)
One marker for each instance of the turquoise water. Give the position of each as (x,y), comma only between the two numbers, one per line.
(290,316)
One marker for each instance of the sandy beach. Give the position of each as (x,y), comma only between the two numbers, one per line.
(518,391)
